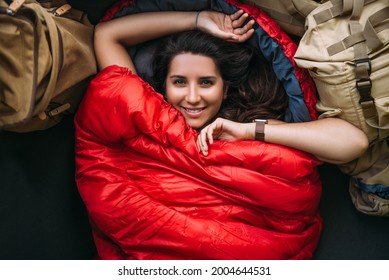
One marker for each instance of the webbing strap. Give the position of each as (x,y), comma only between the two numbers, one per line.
(357,40)
(360,51)
(328,14)
(376,23)
(346,43)
(360,39)
(362,64)
(356,9)
(340,7)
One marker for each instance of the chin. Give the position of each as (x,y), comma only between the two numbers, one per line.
(196,125)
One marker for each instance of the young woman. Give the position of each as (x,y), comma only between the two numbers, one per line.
(331,140)
(155,183)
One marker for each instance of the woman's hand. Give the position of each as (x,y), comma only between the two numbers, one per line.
(223,129)
(111,38)
(229,27)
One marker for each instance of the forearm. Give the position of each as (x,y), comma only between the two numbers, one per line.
(112,37)
(331,140)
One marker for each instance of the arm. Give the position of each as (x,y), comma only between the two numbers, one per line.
(111,38)
(332,140)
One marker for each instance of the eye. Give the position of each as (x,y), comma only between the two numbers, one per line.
(179,82)
(206,82)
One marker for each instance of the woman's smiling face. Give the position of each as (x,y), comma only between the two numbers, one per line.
(195,87)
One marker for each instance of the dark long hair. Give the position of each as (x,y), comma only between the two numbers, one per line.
(254,91)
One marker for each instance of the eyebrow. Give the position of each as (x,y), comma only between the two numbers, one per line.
(176,76)
(208,77)
(184,77)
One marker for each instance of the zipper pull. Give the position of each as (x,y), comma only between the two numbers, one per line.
(61,10)
(43,115)
(59,110)
(14,7)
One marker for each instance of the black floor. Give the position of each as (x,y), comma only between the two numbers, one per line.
(41,213)
(347,233)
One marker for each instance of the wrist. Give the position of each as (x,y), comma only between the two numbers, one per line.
(250,131)
(196,21)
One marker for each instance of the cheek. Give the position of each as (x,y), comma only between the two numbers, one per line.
(215,96)
(172,95)
(168,91)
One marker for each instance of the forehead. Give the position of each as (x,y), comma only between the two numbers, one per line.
(187,63)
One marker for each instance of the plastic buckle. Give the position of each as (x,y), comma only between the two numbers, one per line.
(364,61)
(364,89)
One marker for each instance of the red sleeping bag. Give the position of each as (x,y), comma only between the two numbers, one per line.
(151,195)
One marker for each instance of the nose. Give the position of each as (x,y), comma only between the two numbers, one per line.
(193,95)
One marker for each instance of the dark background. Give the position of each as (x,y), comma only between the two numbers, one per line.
(43,217)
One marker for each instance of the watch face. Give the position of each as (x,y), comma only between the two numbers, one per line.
(260,129)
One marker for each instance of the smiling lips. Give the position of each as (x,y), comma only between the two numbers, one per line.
(193,112)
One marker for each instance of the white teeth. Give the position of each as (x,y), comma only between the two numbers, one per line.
(194,110)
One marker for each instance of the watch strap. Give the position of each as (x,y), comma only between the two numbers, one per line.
(260,129)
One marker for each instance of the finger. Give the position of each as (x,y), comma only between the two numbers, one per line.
(244,29)
(200,146)
(239,21)
(210,132)
(246,36)
(229,36)
(241,38)
(198,143)
(203,140)
(236,15)
(210,137)
(204,149)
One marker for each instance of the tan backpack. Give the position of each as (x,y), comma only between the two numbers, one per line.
(46,62)
(289,14)
(346,49)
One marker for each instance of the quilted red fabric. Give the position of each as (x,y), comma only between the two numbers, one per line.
(151,195)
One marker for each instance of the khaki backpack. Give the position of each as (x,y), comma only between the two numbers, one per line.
(46,62)
(346,49)
(289,14)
